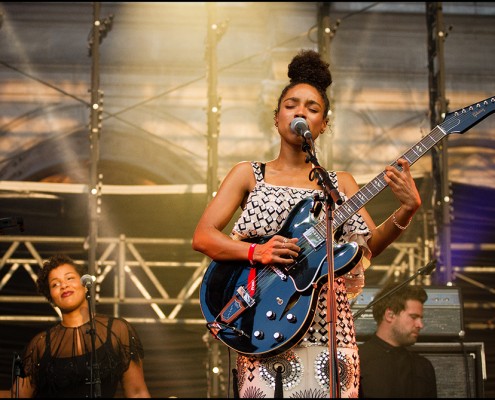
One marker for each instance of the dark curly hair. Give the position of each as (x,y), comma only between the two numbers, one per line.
(308,67)
(397,300)
(51,263)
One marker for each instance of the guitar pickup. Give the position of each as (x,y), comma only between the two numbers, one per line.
(314,237)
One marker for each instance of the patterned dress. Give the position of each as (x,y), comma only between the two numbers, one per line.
(305,367)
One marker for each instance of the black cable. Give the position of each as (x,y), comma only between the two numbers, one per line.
(235,379)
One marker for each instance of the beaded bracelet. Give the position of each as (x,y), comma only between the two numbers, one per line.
(251,253)
(394,220)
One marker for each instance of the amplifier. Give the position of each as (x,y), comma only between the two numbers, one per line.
(460,368)
(442,313)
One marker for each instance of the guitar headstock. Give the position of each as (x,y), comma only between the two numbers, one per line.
(461,120)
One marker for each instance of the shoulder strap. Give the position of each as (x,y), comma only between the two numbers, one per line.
(259,171)
(333,179)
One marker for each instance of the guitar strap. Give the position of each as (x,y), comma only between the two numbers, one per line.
(252,272)
(252,281)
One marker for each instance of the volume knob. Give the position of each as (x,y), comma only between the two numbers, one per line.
(291,318)
(270,315)
(278,336)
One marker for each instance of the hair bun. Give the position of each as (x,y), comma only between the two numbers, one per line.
(308,67)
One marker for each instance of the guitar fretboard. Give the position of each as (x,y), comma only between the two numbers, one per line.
(458,121)
(376,185)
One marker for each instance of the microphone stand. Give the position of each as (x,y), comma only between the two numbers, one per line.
(18,372)
(332,197)
(426,270)
(94,381)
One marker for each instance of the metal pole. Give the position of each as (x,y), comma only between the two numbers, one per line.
(438,109)
(213,115)
(94,136)
(214,32)
(325,35)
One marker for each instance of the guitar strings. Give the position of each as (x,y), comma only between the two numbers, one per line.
(267,271)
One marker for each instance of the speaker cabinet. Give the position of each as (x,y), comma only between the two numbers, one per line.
(460,369)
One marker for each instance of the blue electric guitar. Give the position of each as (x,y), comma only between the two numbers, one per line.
(271,312)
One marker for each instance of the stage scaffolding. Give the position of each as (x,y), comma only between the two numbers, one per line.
(124,256)
(141,263)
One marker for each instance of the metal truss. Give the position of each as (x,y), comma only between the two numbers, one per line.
(119,261)
(123,263)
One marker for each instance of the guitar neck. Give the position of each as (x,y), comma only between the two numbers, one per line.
(375,186)
(457,121)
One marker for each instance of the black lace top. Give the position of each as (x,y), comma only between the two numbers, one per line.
(58,361)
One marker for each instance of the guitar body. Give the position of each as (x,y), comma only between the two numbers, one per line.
(283,307)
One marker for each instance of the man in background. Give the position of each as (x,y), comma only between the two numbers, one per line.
(388,368)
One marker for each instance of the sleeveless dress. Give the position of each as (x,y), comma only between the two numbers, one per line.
(305,367)
(58,360)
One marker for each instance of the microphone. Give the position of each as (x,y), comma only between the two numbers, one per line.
(87,280)
(300,127)
(428,268)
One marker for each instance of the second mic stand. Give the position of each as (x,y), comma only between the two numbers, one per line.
(94,381)
(18,372)
(331,197)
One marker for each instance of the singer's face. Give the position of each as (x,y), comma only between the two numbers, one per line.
(304,101)
(65,287)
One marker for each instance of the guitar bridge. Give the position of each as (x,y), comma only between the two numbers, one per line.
(279,273)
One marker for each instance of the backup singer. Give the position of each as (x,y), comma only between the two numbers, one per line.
(57,362)
(266,192)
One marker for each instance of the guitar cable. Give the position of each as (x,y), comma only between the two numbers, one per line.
(224,326)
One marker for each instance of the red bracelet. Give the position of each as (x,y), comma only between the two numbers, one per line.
(251,253)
